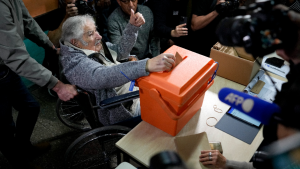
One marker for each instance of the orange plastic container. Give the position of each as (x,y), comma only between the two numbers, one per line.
(170,99)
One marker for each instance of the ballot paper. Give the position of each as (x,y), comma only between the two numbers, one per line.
(178,58)
(189,149)
(268,91)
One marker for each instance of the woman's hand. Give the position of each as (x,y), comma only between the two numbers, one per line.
(162,62)
(215,160)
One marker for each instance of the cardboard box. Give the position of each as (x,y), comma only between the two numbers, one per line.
(234,68)
(243,54)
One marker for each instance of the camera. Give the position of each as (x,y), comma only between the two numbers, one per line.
(227,6)
(166,160)
(261,32)
(83,8)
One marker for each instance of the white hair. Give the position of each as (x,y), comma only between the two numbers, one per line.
(73,28)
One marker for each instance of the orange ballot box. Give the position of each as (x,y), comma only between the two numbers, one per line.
(170,99)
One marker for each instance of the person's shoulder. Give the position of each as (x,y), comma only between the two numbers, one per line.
(115,14)
(145,10)
(6,2)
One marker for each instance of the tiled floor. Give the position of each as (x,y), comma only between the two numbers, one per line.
(48,128)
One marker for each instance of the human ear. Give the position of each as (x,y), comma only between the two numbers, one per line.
(74,42)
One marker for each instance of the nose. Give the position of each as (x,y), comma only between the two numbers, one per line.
(98,36)
(131,4)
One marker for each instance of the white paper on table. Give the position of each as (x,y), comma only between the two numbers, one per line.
(283,71)
(189,149)
(268,92)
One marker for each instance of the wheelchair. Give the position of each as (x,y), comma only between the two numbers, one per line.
(96,147)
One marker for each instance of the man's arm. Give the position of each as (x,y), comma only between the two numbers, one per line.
(199,22)
(201,19)
(14,53)
(32,30)
(15,56)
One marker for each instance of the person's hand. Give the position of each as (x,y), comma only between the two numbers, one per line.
(103,3)
(219,1)
(65,91)
(180,30)
(57,50)
(293,54)
(217,159)
(132,58)
(71,9)
(136,19)
(162,62)
(170,42)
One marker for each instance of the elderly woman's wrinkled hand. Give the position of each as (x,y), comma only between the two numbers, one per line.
(162,62)
(212,159)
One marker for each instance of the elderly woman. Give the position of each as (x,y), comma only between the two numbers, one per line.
(94,66)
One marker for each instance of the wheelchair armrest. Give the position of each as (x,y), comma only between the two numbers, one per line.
(119,99)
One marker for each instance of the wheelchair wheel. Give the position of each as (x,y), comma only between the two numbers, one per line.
(70,114)
(96,149)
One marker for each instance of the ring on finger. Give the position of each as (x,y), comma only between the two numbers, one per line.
(210,158)
(209,154)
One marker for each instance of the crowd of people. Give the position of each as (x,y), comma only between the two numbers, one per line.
(138,30)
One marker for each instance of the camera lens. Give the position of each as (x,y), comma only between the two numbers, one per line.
(231,31)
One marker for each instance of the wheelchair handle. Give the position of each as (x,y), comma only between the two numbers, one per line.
(80,91)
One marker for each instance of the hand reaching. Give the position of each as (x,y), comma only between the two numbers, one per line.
(162,62)
(217,160)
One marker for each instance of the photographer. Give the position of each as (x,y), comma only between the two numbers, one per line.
(169,23)
(71,10)
(283,124)
(293,4)
(205,18)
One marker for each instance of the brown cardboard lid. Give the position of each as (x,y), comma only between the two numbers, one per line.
(189,149)
(243,54)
